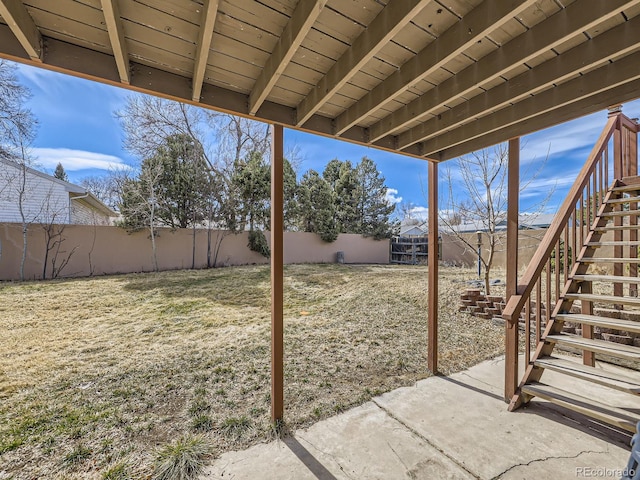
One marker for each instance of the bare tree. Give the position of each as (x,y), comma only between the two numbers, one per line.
(476,195)
(108,188)
(17,130)
(17,123)
(140,203)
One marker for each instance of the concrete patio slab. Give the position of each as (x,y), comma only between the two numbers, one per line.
(453,427)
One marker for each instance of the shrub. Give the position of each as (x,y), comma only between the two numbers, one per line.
(182,460)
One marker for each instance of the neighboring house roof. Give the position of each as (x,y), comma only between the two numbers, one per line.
(76,192)
(525,221)
(413,229)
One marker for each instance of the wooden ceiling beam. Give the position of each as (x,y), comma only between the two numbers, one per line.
(393,18)
(115,28)
(301,21)
(205,35)
(577,17)
(23,27)
(485,18)
(618,41)
(604,78)
(85,63)
(586,106)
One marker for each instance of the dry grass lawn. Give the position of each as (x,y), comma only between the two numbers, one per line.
(97,374)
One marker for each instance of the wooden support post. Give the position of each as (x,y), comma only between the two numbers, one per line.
(511,327)
(618,173)
(432,340)
(633,220)
(588,358)
(277,274)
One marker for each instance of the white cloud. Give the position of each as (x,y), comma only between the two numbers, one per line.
(392,196)
(74,160)
(419,212)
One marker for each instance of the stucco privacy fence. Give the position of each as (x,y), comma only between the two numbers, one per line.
(99,250)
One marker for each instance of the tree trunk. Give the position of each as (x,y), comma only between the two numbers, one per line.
(193,248)
(24,250)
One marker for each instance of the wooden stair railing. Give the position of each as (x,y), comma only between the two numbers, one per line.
(557,276)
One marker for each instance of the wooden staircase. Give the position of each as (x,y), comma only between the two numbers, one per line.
(580,292)
(587,291)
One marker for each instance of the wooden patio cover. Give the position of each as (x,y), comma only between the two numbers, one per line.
(432,79)
(427,78)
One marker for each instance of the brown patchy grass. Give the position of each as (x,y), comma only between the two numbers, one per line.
(98,374)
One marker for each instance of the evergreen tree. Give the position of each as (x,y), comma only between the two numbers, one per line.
(342,178)
(252,179)
(60,174)
(179,194)
(374,210)
(317,208)
(183,186)
(252,189)
(291,206)
(331,172)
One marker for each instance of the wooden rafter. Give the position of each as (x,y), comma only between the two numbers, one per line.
(205,35)
(395,16)
(303,18)
(23,27)
(618,41)
(587,105)
(486,17)
(115,28)
(599,80)
(577,17)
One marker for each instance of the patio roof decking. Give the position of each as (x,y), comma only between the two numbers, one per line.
(426,78)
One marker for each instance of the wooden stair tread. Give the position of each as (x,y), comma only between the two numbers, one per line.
(621,243)
(606,278)
(614,416)
(616,227)
(606,322)
(626,188)
(613,380)
(592,297)
(621,213)
(599,346)
(633,199)
(609,260)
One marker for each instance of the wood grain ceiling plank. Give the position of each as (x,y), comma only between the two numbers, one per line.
(623,38)
(382,29)
(506,61)
(255,14)
(71,31)
(588,105)
(360,11)
(538,12)
(111,11)
(478,23)
(600,80)
(15,14)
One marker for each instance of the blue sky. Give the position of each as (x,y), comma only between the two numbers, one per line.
(78,129)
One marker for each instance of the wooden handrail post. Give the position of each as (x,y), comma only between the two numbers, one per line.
(432,259)
(511,325)
(277,274)
(618,169)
